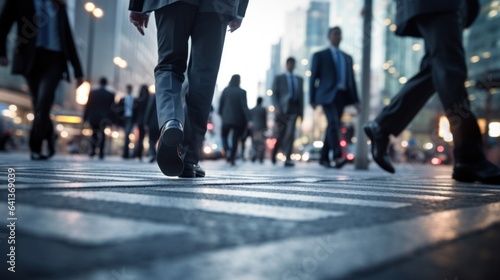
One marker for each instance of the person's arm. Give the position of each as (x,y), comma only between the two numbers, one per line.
(312,80)
(276,92)
(139,20)
(7,18)
(235,24)
(136,5)
(73,54)
(246,111)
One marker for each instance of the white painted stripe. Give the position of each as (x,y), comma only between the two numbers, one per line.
(325,256)
(87,228)
(291,197)
(331,190)
(226,207)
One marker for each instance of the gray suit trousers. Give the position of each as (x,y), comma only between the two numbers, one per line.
(176,23)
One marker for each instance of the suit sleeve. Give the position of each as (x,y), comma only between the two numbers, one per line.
(312,79)
(276,91)
(244,106)
(7,18)
(354,91)
(301,98)
(242,7)
(136,5)
(221,103)
(73,55)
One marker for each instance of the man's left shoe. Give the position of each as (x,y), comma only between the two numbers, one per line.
(169,157)
(482,171)
(340,163)
(192,170)
(289,163)
(325,163)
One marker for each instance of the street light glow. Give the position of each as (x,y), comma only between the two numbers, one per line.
(82,93)
(98,13)
(89,7)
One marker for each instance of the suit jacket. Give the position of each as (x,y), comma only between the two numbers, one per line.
(323,80)
(408,10)
(233,107)
(281,96)
(231,8)
(99,106)
(259,118)
(22,12)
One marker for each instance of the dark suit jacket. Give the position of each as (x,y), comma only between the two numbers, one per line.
(281,95)
(323,80)
(259,118)
(408,10)
(23,12)
(99,106)
(231,8)
(233,107)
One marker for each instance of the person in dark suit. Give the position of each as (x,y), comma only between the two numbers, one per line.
(44,45)
(98,114)
(258,116)
(183,129)
(235,116)
(443,69)
(140,105)
(288,101)
(127,105)
(333,87)
(152,124)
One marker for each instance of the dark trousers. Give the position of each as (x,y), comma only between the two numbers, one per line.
(128,125)
(237,133)
(98,139)
(139,147)
(286,134)
(153,135)
(442,69)
(258,144)
(176,23)
(43,80)
(333,113)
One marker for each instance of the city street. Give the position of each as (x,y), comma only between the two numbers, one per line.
(81,218)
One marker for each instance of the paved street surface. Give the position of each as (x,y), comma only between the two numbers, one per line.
(81,218)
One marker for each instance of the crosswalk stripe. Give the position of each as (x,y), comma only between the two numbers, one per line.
(87,228)
(226,207)
(323,190)
(290,197)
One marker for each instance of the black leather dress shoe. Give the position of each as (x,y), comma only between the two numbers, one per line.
(192,170)
(482,171)
(380,142)
(325,163)
(169,148)
(289,163)
(38,156)
(339,163)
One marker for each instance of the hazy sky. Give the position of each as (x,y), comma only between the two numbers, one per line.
(248,50)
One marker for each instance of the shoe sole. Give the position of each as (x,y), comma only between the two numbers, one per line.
(168,158)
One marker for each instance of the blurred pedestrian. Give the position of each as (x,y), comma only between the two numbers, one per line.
(183,129)
(443,69)
(288,100)
(127,103)
(44,47)
(333,87)
(259,118)
(98,114)
(235,115)
(151,121)
(140,106)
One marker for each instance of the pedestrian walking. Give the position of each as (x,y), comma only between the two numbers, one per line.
(235,115)
(183,128)
(332,86)
(443,69)
(44,47)
(288,100)
(98,114)
(151,121)
(140,106)
(259,118)
(127,103)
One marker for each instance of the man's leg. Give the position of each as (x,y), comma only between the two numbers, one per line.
(333,129)
(207,41)
(281,122)
(289,136)
(174,23)
(443,37)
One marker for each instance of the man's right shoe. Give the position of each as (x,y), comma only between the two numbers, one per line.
(169,148)
(380,142)
(192,170)
(325,163)
(38,156)
(482,171)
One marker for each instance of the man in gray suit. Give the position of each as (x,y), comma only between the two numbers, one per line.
(333,87)
(442,70)
(204,21)
(288,100)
